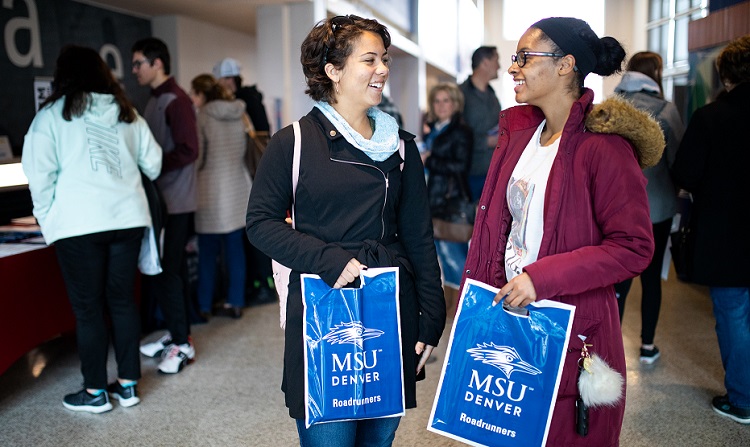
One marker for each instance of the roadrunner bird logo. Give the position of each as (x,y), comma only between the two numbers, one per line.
(354,333)
(504,358)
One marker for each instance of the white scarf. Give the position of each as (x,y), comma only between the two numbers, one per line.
(384,141)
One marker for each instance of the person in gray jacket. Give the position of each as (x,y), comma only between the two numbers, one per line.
(641,85)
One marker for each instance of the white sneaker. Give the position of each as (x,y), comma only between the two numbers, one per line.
(175,357)
(156,348)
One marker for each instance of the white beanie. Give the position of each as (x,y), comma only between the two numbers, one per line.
(227,68)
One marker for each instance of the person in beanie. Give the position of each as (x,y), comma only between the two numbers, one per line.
(565,213)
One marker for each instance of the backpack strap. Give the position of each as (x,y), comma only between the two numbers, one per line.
(402,151)
(295,164)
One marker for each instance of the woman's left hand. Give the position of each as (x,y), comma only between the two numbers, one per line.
(425,351)
(520,291)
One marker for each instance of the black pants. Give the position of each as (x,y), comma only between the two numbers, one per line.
(650,284)
(99,272)
(166,288)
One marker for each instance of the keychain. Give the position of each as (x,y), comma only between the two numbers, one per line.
(582,411)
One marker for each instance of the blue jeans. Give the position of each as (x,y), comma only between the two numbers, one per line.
(452,257)
(209,246)
(363,433)
(732,312)
(476,184)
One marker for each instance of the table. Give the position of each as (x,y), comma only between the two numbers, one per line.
(34,306)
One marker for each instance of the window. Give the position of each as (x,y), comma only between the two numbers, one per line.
(668,35)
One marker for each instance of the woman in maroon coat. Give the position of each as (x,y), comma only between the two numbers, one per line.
(564,213)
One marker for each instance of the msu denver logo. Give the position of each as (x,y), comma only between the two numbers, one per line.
(504,358)
(354,333)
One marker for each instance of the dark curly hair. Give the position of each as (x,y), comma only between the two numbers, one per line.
(332,41)
(733,62)
(79,72)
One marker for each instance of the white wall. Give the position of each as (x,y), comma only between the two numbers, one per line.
(196,46)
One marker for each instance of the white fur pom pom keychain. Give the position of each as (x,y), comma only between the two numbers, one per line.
(598,383)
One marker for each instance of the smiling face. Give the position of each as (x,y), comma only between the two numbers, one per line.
(443,106)
(542,78)
(361,79)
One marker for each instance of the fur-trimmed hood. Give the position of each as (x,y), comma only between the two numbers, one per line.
(617,115)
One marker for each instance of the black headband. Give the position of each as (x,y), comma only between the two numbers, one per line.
(562,31)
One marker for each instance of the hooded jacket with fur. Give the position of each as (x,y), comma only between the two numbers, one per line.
(597,232)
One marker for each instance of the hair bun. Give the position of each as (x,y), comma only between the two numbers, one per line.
(609,57)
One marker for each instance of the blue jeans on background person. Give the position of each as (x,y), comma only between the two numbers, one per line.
(476,184)
(732,312)
(209,246)
(363,433)
(452,256)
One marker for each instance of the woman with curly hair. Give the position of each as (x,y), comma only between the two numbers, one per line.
(358,204)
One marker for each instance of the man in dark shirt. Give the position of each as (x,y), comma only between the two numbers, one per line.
(481,113)
(171,117)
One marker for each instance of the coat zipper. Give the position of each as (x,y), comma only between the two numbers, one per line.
(385,199)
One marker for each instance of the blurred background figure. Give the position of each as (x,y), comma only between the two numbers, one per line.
(259,273)
(481,112)
(389,107)
(223,190)
(448,142)
(641,85)
(711,164)
(171,117)
(88,137)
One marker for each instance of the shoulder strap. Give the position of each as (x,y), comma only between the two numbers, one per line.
(402,151)
(295,165)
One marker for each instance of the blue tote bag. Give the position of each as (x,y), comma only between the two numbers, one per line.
(353,348)
(502,371)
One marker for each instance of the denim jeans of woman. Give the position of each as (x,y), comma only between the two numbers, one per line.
(99,271)
(732,312)
(364,433)
(209,246)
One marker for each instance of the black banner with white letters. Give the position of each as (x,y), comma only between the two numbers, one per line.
(34,31)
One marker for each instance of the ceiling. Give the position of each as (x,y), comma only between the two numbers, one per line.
(238,15)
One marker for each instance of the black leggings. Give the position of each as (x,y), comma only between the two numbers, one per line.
(99,271)
(650,284)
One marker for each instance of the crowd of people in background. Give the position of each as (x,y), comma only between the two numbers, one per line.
(526,170)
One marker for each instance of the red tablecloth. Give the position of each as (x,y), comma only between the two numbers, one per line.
(34,306)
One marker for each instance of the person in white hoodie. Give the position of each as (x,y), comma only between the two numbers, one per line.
(83,156)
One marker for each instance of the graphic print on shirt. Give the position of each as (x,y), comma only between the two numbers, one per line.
(103,151)
(520,193)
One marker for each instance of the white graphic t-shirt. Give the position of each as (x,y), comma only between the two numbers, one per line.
(525,196)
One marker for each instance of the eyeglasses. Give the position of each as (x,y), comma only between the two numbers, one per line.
(137,63)
(521,57)
(337,23)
